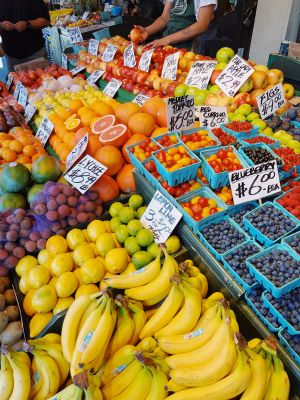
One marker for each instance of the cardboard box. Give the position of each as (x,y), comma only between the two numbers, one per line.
(294,50)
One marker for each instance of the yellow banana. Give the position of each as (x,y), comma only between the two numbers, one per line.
(234,324)
(92,306)
(253,343)
(279,385)
(256,388)
(195,281)
(158,386)
(48,369)
(93,393)
(211,301)
(129,269)
(149,313)
(21,377)
(156,299)
(173,387)
(139,388)
(71,392)
(36,381)
(147,344)
(139,321)
(6,379)
(49,338)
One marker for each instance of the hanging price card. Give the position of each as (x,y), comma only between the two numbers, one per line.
(17,90)
(169,70)
(85,173)
(85,15)
(145,60)
(9,81)
(180,113)
(140,99)
(73,18)
(64,61)
(44,131)
(270,101)
(77,152)
(30,110)
(93,47)
(161,217)
(129,57)
(23,96)
(109,53)
(95,76)
(255,182)
(200,73)
(234,75)
(76,70)
(112,87)
(212,117)
(75,35)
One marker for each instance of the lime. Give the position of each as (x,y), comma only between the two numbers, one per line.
(140,212)
(173,244)
(153,249)
(135,201)
(141,258)
(131,245)
(115,208)
(121,233)
(126,214)
(104,243)
(144,237)
(134,226)
(114,223)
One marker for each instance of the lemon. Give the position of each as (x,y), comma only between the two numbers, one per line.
(62,263)
(92,270)
(79,276)
(115,208)
(74,237)
(66,284)
(126,214)
(27,303)
(24,284)
(86,289)
(25,264)
(115,222)
(82,253)
(116,260)
(38,276)
(87,239)
(57,245)
(95,229)
(135,201)
(173,244)
(44,256)
(53,281)
(103,285)
(104,243)
(44,299)
(38,322)
(144,237)
(107,226)
(62,304)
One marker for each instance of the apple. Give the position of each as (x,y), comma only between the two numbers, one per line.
(214,76)
(157,83)
(165,84)
(180,89)
(183,63)
(135,35)
(190,55)
(230,116)
(214,89)
(275,76)
(139,51)
(260,79)
(141,77)
(136,89)
(246,86)
(288,90)
(200,97)
(252,116)
(171,88)
(242,98)
(224,55)
(149,81)
(212,100)
(244,109)
(220,66)
(228,102)
(260,67)
(260,123)
(182,77)
(254,94)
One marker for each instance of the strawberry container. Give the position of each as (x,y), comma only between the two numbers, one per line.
(241,135)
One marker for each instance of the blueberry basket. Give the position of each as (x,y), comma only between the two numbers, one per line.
(181,175)
(276,291)
(262,146)
(284,341)
(221,179)
(241,135)
(258,235)
(288,241)
(157,138)
(189,132)
(236,212)
(276,143)
(296,124)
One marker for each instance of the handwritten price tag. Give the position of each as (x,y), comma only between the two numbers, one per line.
(200,73)
(77,152)
(64,61)
(169,70)
(44,131)
(129,57)
(234,75)
(145,60)
(161,217)
(212,117)
(112,87)
(84,174)
(85,15)
(95,76)
(23,96)
(9,81)
(255,182)
(180,113)
(30,110)
(76,70)
(109,53)
(270,101)
(93,47)
(75,35)
(17,90)
(140,99)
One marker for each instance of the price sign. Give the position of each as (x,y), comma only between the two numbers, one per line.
(140,99)
(255,182)
(93,47)
(109,53)
(75,35)
(112,87)
(200,73)
(212,117)
(44,131)
(95,76)
(9,81)
(76,70)
(169,70)
(129,57)
(85,173)
(145,60)
(77,152)
(30,110)
(23,96)
(73,18)
(17,90)
(234,75)
(85,15)
(161,217)
(270,101)
(64,61)
(180,113)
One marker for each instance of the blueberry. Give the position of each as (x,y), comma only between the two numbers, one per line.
(288,306)
(255,297)
(294,243)
(238,215)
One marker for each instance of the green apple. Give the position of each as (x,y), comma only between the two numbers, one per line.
(191,90)
(268,132)
(224,55)
(294,144)
(220,66)
(200,97)
(244,109)
(252,116)
(180,90)
(214,89)
(230,116)
(260,124)
(238,117)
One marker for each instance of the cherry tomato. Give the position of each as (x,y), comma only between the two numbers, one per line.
(161,156)
(213,210)
(222,154)
(218,168)
(179,192)
(171,190)
(197,217)
(203,202)
(196,208)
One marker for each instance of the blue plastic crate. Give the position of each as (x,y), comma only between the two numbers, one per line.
(241,135)
(134,160)
(286,344)
(235,209)
(287,240)
(157,138)
(181,175)
(295,124)
(277,292)
(258,235)
(189,132)
(284,323)
(258,145)
(176,200)
(222,179)
(274,145)
(150,178)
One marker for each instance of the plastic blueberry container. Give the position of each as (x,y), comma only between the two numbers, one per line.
(287,240)
(286,344)
(235,209)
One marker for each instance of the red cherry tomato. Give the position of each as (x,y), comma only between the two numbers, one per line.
(203,202)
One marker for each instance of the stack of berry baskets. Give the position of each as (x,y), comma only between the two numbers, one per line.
(291,343)
(176,193)
(291,160)
(199,139)
(292,242)
(288,203)
(240,130)
(272,143)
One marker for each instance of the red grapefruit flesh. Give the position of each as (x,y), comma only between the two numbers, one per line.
(115,135)
(102,123)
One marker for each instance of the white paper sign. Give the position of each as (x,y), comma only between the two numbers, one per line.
(170,66)
(75,35)
(112,87)
(23,96)
(95,76)
(64,61)
(109,53)
(85,173)
(76,70)
(30,110)
(161,217)
(270,101)
(73,18)
(17,90)
(255,182)
(9,81)
(85,15)
(93,47)
(44,131)
(129,57)
(145,60)
(200,73)
(77,151)
(212,117)
(234,75)
(180,113)
(140,99)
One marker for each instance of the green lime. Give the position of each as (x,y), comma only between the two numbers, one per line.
(153,249)
(134,226)
(126,214)
(144,237)
(135,201)
(114,223)
(115,208)
(121,233)
(173,244)
(140,212)
(141,258)
(131,245)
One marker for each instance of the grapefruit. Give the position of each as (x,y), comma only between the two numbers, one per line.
(115,135)
(107,188)
(15,177)
(98,124)
(141,123)
(125,179)
(152,106)
(162,116)
(111,157)
(131,141)
(125,111)
(45,168)
(10,201)
(81,133)
(93,145)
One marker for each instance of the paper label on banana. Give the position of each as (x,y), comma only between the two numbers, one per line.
(119,369)
(138,271)
(86,341)
(36,377)
(193,334)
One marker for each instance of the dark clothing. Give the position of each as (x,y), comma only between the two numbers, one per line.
(22,44)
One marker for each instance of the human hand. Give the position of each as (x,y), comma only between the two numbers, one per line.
(143,31)
(7,26)
(20,26)
(165,41)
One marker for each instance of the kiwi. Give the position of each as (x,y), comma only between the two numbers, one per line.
(3,321)
(13,313)
(10,297)
(2,302)
(12,333)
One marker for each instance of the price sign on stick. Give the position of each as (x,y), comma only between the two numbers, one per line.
(234,75)
(76,70)
(169,70)
(140,99)
(180,113)
(129,57)
(9,81)
(17,90)
(112,87)
(30,110)
(77,152)
(23,96)
(255,182)
(64,61)
(161,217)
(109,53)
(85,173)
(93,47)
(44,131)
(200,73)
(95,76)
(75,35)
(85,15)
(270,101)
(212,117)
(145,60)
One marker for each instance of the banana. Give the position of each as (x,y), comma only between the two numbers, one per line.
(158,385)
(279,385)
(173,387)
(48,369)
(49,338)
(21,377)
(71,392)
(92,306)
(253,343)
(211,301)
(149,313)
(156,299)
(139,388)
(147,344)
(256,388)
(137,278)
(129,269)
(234,324)
(139,320)
(36,381)
(93,393)
(6,379)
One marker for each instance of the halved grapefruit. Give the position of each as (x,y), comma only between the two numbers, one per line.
(99,124)
(115,135)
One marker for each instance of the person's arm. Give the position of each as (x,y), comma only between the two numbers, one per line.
(37,23)
(6,26)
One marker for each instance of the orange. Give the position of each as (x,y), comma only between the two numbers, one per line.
(82,111)
(162,116)
(29,310)
(4,136)
(81,132)
(125,111)
(69,139)
(6,143)
(115,135)
(131,141)
(102,108)
(63,153)
(111,157)
(29,150)
(73,124)
(8,155)
(141,123)
(98,124)
(23,159)
(87,117)
(152,106)
(113,103)
(63,113)
(125,179)
(62,131)
(159,132)
(75,105)
(93,145)
(16,146)
(107,188)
